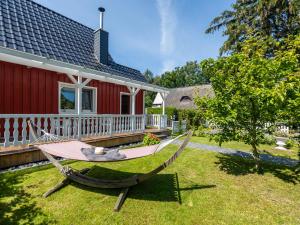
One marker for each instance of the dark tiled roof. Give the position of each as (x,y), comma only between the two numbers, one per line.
(30,27)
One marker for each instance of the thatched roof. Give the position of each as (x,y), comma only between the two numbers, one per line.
(183,98)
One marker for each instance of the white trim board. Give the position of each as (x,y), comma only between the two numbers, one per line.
(125,93)
(27,59)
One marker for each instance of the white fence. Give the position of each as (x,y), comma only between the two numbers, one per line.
(279,127)
(14,129)
(157,121)
(178,126)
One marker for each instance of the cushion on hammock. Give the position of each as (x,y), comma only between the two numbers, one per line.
(108,155)
(72,150)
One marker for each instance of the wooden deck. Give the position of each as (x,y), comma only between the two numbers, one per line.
(19,155)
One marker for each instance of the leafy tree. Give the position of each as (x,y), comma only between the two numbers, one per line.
(261,18)
(149,76)
(250,89)
(188,75)
(149,96)
(291,110)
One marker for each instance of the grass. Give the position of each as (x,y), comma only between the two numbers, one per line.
(267,149)
(211,189)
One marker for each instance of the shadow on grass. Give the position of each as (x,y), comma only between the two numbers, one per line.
(161,187)
(17,206)
(236,165)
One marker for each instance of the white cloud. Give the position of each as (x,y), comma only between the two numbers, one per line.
(168,25)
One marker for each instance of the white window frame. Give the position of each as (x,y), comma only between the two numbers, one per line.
(125,93)
(94,111)
(74,111)
(67,111)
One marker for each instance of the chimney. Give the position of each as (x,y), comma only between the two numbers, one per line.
(101,41)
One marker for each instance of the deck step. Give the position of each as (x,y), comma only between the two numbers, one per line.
(162,136)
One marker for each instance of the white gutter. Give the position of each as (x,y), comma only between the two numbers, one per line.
(18,57)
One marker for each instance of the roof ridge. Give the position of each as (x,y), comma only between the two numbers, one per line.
(52,10)
(193,86)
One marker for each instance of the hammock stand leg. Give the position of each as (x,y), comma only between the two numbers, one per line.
(62,184)
(121,199)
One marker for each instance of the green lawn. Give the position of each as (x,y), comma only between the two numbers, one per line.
(211,189)
(268,149)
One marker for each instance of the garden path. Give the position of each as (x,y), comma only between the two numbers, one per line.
(228,151)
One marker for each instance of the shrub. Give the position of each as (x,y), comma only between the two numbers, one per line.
(268,140)
(289,143)
(170,111)
(193,117)
(201,131)
(150,139)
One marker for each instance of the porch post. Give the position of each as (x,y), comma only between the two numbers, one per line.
(79,105)
(144,111)
(163,104)
(133,92)
(143,102)
(133,111)
(162,119)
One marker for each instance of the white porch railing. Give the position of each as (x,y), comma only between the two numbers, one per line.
(14,129)
(157,121)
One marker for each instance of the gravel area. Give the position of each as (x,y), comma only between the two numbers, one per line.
(25,166)
(265,157)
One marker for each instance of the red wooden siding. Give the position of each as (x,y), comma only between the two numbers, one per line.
(26,90)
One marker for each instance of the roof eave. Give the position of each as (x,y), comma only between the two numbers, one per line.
(27,59)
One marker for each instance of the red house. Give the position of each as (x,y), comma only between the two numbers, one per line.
(60,74)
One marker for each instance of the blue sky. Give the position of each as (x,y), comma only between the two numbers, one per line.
(154,34)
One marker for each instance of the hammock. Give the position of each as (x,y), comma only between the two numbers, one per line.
(73,150)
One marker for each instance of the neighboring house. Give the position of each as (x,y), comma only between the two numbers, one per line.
(158,101)
(183,98)
(50,64)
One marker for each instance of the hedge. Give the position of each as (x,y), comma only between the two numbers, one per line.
(193,117)
(170,111)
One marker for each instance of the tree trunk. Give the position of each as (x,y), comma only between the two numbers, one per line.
(255,152)
(253,134)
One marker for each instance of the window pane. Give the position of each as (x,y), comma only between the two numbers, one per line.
(67,98)
(87,99)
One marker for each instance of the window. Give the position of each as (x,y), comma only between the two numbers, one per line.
(68,99)
(185,98)
(88,100)
(125,103)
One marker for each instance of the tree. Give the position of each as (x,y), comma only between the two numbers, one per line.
(149,96)
(250,89)
(261,18)
(149,76)
(188,75)
(290,113)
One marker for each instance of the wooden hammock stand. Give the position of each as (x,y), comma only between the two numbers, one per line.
(124,184)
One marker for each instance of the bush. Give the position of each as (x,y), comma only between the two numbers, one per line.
(170,111)
(193,117)
(268,140)
(201,131)
(289,143)
(150,139)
